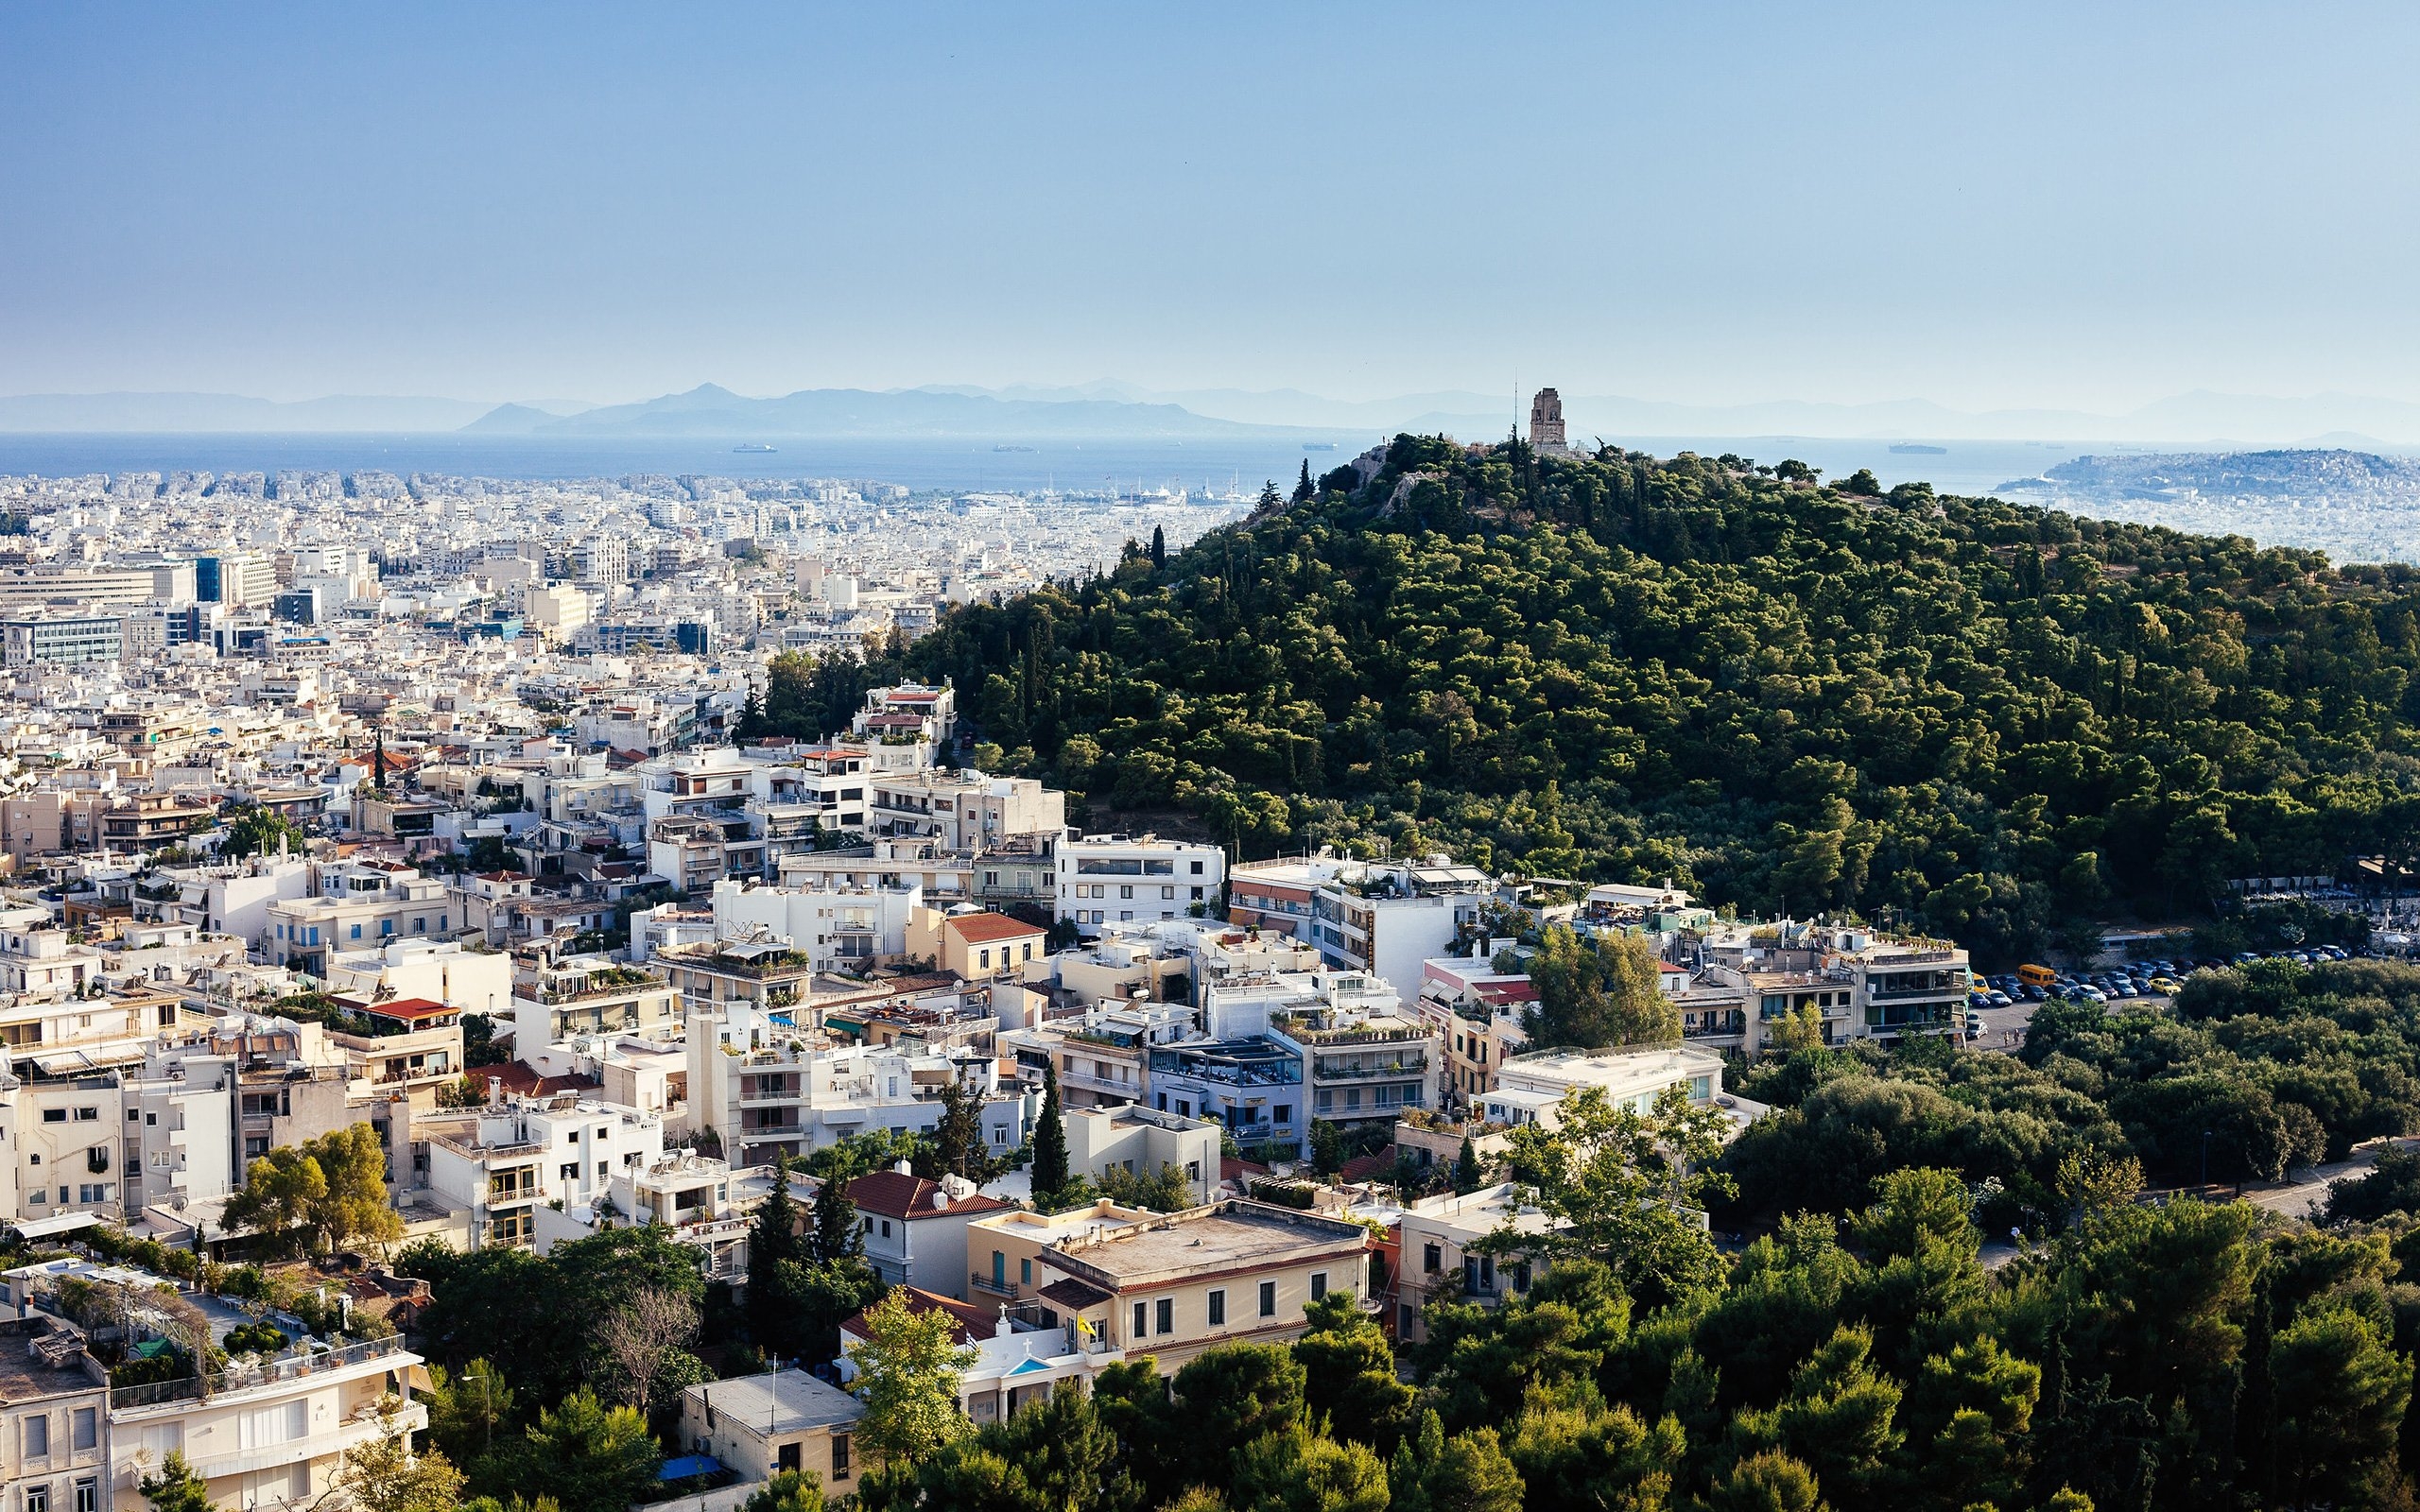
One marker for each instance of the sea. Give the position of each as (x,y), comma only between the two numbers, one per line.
(1217,466)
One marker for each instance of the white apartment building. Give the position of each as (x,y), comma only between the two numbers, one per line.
(962,810)
(1102,1057)
(1117,879)
(358,905)
(698,1200)
(1363,916)
(844,927)
(1529,1086)
(502,1165)
(766,1089)
(266,1433)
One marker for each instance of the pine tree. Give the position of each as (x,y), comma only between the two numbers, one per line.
(1270,500)
(1049,1145)
(1303,486)
(837,1235)
(1159,548)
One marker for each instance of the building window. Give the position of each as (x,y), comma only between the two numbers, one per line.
(1318,1284)
(1217,1310)
(1142,1320)
(1167,1314)
(1268,1298)
(1432,1259)
(786,1457)
(87,1426)
(1025,1271)
(886,1228)
(38,1497)
(839,1456)
(37,1441)
(88,1496)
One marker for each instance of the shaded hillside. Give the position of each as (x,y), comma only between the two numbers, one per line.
(1989,719)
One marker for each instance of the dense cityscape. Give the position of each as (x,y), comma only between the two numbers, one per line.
(471,939)
(961,758)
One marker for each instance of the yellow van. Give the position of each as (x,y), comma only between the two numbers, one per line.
(2037,975)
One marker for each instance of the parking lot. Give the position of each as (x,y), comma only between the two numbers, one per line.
(2002,1025)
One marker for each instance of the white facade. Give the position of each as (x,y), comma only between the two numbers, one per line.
(1117,879)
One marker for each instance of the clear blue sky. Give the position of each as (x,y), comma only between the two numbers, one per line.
(2014,204)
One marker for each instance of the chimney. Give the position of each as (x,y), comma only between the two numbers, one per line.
(904,1168)
(495,1090)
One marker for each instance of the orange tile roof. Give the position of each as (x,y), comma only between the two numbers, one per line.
(983,929)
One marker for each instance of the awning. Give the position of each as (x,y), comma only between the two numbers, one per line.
(57,1224)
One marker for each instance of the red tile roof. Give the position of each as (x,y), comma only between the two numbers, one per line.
(1523,990)
(1364,1167)
(520,1077)
(895,1196)
(410,1010)
(983,929)
(969,1321)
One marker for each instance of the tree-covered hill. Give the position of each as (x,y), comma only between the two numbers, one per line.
(1995,721)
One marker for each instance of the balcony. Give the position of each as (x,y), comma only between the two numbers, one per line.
(363,1426)
(982,1282)
(1400,1068)
(254,1379)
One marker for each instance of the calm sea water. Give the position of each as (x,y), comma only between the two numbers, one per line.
(1962,467)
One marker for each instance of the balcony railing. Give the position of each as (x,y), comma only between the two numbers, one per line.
(1400,1068)
(982,1282)
(256,1377)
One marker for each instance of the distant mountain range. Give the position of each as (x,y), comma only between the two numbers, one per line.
(710,411)
(2201,421)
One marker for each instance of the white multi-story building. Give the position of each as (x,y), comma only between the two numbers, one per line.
(766,1089)
(848,927)
(1119,879)
(1383,918)
(358,905)
(502,1165)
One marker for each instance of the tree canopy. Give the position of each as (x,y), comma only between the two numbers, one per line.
(1986,720)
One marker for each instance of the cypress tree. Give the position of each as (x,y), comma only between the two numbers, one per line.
(775,1238)
(1303,486)
(836,1237)
(1049,1144)
(1466,1173)
(1159,548)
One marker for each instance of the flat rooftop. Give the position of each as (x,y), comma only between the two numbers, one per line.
(1228,1236)
(787,1401)
(37,1361)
